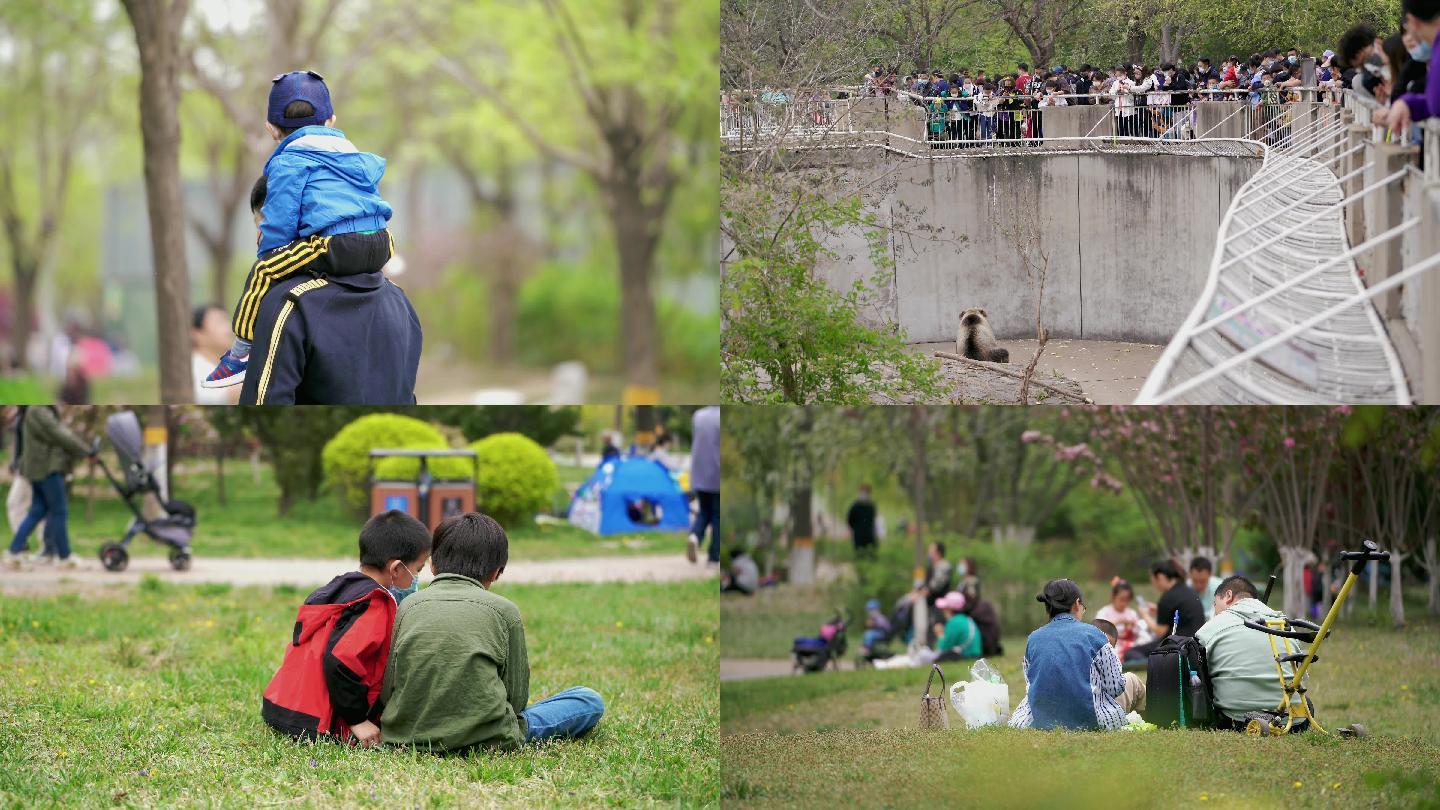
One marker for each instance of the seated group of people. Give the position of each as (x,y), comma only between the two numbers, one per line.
(965,625)
(1073,673)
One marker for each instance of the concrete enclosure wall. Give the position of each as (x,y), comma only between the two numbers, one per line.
(1129,238)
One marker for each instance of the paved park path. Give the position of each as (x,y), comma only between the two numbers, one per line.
(740,669)
(314,572)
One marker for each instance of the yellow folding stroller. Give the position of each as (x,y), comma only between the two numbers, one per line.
(1295,709)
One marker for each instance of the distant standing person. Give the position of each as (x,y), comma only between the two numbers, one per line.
(45,450)
(705,481)
(861,518)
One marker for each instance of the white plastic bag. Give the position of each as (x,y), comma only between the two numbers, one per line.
(984,699)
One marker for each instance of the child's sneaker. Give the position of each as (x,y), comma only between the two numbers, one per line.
(13,559)
(42,558)
(230,371)
(692,548)
(68,564)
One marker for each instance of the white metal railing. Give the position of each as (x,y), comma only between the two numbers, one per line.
(1285,316)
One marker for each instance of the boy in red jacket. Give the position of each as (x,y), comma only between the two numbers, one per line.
(329,683)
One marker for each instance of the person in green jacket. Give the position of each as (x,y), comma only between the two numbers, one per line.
(960,637)
(44,451)
(1241,662)
(459,674)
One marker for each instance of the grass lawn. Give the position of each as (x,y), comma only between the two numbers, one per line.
(849,737)
(247,524)
(764,625)
(152,697)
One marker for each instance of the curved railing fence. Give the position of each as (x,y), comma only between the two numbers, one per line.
(1243,237)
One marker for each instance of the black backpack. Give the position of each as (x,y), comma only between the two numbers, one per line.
(1177,686)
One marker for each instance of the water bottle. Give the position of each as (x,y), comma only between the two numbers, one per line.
(1194,679)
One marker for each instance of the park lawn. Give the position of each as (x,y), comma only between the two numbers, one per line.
(850,737)
(765,625)
(247,524)
(150,696)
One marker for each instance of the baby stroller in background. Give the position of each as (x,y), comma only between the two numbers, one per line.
(178,524)
(813,653)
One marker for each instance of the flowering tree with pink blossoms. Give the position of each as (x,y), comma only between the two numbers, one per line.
(1184,467)
(1286,455)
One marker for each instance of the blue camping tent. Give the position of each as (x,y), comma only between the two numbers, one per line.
(630,494)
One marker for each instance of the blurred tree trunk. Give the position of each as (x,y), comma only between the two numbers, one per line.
(157,26)
(229,193)
(630,164)
(506,257)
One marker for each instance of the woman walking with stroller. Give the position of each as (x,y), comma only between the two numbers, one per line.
(44,451)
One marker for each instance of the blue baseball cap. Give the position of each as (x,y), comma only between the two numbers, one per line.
(299,85)
(872,604)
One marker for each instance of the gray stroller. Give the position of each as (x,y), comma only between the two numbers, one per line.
(173,529)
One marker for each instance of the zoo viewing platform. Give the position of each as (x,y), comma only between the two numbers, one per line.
(1281,252)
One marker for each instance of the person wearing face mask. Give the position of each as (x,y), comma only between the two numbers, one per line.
(328,685)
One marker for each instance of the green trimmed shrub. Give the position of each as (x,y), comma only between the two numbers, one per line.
(346,457)
(517,478)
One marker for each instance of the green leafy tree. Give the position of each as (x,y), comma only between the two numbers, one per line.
(788,336)
(544,424)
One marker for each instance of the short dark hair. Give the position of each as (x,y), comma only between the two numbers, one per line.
(1166,567)
(1201,564)
(1422,9)
(1356,39)
(472,545)
(1238,585)
(1204,59)
(392,535)
(1122,585)
(257,194)
(939,546)
(1022,66)
(298,108)
(1108,628)
(197,316)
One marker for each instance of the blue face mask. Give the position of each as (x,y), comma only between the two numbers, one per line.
(401,593)
(1421,52)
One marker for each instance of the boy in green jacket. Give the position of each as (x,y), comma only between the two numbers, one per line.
(459,674)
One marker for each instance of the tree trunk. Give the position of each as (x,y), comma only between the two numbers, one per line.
(1431,561)
(26,274)
(636,235)
(157,37)
(1010,534)
(1397,589)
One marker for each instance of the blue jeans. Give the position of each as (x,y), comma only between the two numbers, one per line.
(565,714)
(48,503)
(708,516)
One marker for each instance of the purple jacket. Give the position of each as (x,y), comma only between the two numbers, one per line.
(1428,105)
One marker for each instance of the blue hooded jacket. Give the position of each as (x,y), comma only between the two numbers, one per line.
(316,181)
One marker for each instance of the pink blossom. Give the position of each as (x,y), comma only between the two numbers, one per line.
(1289,443)
(1343,410)
(1030,436)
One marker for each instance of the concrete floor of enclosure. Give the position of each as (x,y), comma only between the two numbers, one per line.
(1109,372)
